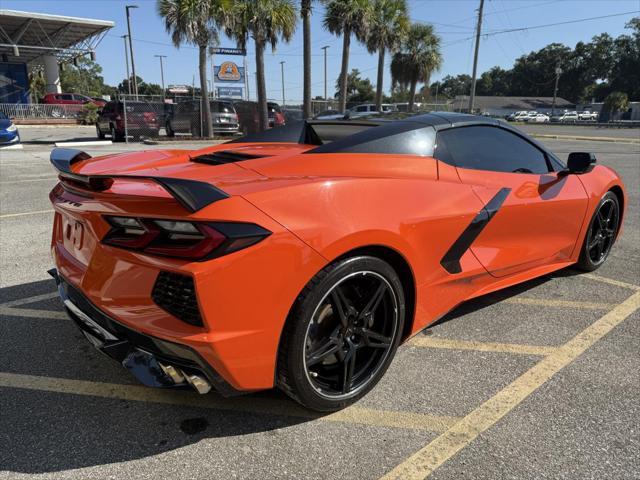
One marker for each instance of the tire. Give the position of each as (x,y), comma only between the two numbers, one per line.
(601,235)
(169,130)
(350,348)
(99,132)
(115,136)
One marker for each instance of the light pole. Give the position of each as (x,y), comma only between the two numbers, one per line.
(126,59)
(475,59)
(161,73)
(133,65)
(555,90)
(282,73)
(326,101)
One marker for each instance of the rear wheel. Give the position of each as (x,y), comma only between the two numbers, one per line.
(99,133)
(601,235)
(115,136)
(169,130)
(342,333)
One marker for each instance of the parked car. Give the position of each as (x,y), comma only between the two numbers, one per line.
(588,116)
(293,115)
(142,119)
(185,117)
(69,99)
(370,108)
(249,120)
(538,118)
(566,117)
(521,116)
(327,114)
(9,133)
(101,102)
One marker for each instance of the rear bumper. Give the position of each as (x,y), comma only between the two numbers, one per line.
(153,361)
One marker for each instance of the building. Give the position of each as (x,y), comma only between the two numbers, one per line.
(37,41)
(503,106)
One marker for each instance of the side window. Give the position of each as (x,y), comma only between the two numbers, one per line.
(66,97)
(489,148)
(362,108)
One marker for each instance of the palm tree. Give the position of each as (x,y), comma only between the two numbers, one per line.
(266,21)
(305,13)
(196,22)
(389,25)
(418,58)
(344,17)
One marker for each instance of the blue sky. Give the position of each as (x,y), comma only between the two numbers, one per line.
(454,21)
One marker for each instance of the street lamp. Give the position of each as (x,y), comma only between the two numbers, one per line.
(325,76)
(282,72)
(161,72)
(126,60)
(133,65)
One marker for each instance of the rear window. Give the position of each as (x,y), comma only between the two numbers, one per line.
(222,107)
(273,108)
(139,107)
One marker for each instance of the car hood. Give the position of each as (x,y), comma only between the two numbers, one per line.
(5,123)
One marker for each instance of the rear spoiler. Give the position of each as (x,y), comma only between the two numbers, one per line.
(191,194)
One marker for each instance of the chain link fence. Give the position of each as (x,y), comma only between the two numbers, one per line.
(28,111)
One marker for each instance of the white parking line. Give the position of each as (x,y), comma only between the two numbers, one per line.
(33,299)
(22,214)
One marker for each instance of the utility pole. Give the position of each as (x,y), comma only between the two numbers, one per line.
(282,72)
(126,59)
(326,101)
(475,58)
(133,65)
(213,74)
(555,90)
(161,73)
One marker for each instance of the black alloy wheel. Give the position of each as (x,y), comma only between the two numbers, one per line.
(343,335)
(602,233)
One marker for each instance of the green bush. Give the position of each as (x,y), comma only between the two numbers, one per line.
(89,114)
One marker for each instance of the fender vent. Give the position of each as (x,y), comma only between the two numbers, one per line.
(224,156)
(176,294)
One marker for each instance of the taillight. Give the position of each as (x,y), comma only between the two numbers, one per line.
(182,239)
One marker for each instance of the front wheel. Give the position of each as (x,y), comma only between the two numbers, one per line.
(99,133)
(342,333)
(601,235)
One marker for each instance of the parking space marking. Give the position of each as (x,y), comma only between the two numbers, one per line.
(25,300)
(450,344)
(22,214)
(32,313)
(426,460)
(49,179)
(543,302)
(610,281)
(268,406)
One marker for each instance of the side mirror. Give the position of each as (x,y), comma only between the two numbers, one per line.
(580,162)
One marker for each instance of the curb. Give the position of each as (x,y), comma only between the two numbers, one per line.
(592,139)
(82,144)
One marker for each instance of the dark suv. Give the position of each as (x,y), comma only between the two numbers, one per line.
(142,120)
(184,117)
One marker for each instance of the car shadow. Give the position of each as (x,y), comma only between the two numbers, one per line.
(43,430)
(51,141)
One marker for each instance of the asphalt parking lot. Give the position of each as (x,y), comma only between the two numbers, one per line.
(540,381)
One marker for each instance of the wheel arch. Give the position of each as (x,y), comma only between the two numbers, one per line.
(619,193)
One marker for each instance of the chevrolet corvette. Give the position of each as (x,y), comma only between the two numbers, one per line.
(301,257)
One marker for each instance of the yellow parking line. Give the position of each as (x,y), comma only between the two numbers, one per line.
(610,281)
(32,313)
(436,342)
(543,302)
(23,301)
(36,212)
(251,404)
(422,463)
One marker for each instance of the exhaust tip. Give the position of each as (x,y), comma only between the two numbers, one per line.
(175,374)
(200,384)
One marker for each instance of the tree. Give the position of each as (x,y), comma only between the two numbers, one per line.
(83,76)
(359,90)
(305,13)
(495,82)
(418,58)
(346,17)
(196,22)
(37,86)
(614,104)
(389,25)
(451,86)
(266,21)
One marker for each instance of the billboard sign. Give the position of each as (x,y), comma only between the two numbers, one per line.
(229,92)
(227,51)
(178,89)
(229,72)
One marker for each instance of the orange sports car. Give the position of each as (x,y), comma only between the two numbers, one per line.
(301,257)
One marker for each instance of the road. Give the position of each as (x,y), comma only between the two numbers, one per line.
(539,381)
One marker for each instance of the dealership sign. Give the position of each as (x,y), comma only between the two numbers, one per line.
(178,89)
(227,51)
(229,92)
(229,72)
